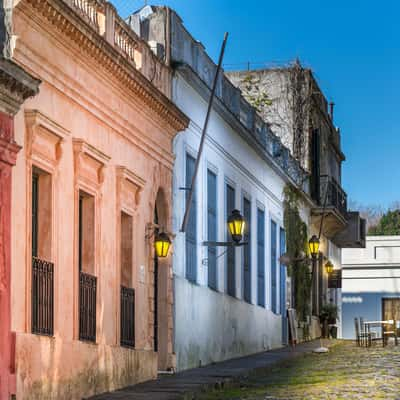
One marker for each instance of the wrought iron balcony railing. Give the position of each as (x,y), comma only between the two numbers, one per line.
(87,307)
(336,196)
(127,317)
(42,297)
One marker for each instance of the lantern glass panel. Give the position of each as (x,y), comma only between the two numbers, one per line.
(162,245)
(314,246)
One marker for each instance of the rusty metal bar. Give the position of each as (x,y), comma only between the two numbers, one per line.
(203,136)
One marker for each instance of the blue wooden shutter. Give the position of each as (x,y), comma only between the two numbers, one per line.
(273,267)
(247,251)
(231,259)
(282,246)
(260,258)
(191,230)
(212,228)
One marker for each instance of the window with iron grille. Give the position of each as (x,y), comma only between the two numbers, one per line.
(42,290)
(191,230)
(87,307)
(247,251)
(127,303)
(231,257)
(42,297)
(274,285)
(127,317)
(87,280)
(260,257)
(212,228)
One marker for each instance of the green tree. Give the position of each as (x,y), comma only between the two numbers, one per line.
(389,224)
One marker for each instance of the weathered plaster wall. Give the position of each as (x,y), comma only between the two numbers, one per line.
(91,133)
(213,326)
(50,368)
(8,153)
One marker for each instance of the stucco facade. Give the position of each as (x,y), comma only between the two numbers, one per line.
(227,304)
(211,325)
(97,154)
(16,85)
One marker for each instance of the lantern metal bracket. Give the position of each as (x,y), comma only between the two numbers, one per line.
(224,244)
(151,230)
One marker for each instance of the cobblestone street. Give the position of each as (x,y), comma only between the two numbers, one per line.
(346,372)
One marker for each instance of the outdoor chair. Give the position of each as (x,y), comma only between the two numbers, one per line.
(362,338)
(365,333)
(370,336)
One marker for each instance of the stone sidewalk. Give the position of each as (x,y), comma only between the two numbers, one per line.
(347,372)
(186,385)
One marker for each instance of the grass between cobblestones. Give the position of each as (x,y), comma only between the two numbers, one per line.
(347,372)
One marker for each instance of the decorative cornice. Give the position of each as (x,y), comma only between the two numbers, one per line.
(83,152)
(135,183)
(72,25)
(15,86)
(44,138)
(37,118)
(8,151)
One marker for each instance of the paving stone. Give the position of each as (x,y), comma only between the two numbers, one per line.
(346,372)
(192,384)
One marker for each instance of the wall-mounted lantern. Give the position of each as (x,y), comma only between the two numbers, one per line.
(236,224)
(162,244)
(162,240)
(329,267)
(313,245)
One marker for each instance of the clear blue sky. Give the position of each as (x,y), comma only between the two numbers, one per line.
(352,46)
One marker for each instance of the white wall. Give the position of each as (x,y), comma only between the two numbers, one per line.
(205,319)
(374,269)
(369,275)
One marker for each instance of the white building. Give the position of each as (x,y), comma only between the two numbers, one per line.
(371,282)
(228,302)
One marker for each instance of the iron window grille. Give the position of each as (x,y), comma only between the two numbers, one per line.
(127,317)
(87,307)
(42,297)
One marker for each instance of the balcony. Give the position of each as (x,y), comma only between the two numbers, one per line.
(353,236)
(335,211)
(103,35)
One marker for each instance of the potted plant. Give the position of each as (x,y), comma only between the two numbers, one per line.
(328,316)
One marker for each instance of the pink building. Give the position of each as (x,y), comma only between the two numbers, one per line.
(91,305)
(15,86)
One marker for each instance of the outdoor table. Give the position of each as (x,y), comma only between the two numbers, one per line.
(378,324)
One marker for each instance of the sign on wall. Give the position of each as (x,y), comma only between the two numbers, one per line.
(335,279)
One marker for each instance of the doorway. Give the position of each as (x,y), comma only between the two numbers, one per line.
(161,283)
(390,310)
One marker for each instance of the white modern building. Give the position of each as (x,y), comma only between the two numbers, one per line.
(371,282)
